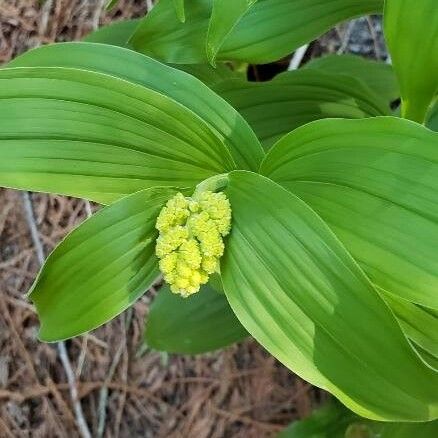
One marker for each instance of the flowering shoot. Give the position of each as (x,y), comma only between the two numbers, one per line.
(190,242)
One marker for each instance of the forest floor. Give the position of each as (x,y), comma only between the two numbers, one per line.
(124,389)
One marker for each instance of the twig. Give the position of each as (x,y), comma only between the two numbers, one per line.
(346,37)
(81,423)
(298,57)
(103,396)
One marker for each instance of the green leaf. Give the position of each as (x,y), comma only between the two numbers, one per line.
(333,420)
(180,10)
(100,268)
(94,136)
(329,421)
(375,182)
(202,323)
(411,32)
(268,31)
(432,122)
(378,75)
(226,124)
(295,98)
(212,76)
(116,34)
(419,324)
(225,16)
(110,4)
(299,293)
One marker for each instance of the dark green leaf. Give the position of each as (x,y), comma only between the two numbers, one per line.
(378,75)
(269,30)
(299,293)
(101,268)
(411,31)
(375,182)
(116,34)
(204,322)
(295,98)
(226,124)
(94,136)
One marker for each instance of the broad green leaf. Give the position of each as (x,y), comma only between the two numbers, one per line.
(268,31)
(299,293)
(116,34)
(230,128)
(406,430)
(333,420)
(411,31)
(161,34)
(94,136)
(375,182)
(225,16)
(295,98)
(202,323)
(329,421)
(179,8)
(378,75)
(418,324)
(100,268)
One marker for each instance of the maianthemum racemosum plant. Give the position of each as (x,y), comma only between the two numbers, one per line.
(317,237)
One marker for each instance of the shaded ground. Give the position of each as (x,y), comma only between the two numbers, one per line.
(239,392)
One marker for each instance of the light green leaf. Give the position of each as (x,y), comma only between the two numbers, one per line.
(225,16)
(91,135)
(375,182)
(406,430)
(116,34)
(204,322)
(299,293)
(411,32)
(295,98)
(268,31)
(419,324)
(180,10)
(101,268)
(226,124)
(378,75)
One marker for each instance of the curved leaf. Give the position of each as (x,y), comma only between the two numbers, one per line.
(269,30)
(296,289)
(116,34)
(94,136)
(230,128)
(420,325)
(225,15)
(411,32)
(101,268)
(375,182)
(295,98)
(378,75)
(202,323)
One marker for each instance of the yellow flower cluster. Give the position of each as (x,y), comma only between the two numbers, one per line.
(191,239)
